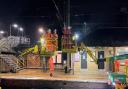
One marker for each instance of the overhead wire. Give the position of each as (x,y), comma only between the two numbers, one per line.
(58,11)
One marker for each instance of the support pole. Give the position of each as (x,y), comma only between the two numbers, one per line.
(44,66)
(68,13)
(114,54)
(68,60)
(10,29)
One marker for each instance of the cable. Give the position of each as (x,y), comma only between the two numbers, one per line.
(59,14)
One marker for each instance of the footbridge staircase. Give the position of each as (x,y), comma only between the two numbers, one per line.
(8,57)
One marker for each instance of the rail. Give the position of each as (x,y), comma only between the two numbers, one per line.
(18,61)
(89,52)
(26,51)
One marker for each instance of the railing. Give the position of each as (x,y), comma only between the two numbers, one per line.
(12,41)
(19,62)
(7,43)
(4,44)
(91,54)
(13,62)
(2,41)
(26,51)
(13,66)
(18,40)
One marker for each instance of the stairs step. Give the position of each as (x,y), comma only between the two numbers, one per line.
(11,61)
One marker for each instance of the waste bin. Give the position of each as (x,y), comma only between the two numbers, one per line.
(66,69)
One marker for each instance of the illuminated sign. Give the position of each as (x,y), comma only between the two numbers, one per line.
(59,57)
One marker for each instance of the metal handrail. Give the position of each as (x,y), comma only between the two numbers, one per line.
(91,54)
(18,61)
(3,42)
(26,51)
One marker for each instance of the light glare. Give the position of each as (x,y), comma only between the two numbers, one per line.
(21,29)
(2,32)
(76,36)
(15,25)
(41,30)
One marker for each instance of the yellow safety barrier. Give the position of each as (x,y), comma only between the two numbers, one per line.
(126,70)
(89,52)
(35,49)
(18,61)
(27,51)
(120,86)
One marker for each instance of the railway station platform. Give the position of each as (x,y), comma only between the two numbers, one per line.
(38,79)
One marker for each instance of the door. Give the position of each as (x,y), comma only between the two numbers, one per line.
(101,60)
(101,55)
(84,60)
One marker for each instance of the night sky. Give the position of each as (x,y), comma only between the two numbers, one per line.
(101,17)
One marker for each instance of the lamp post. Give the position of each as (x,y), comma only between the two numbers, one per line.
(21,36)
(1,33)
(41,47)
(75,38)
(21,30)
(41,30)
(42,38)
(15,26)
